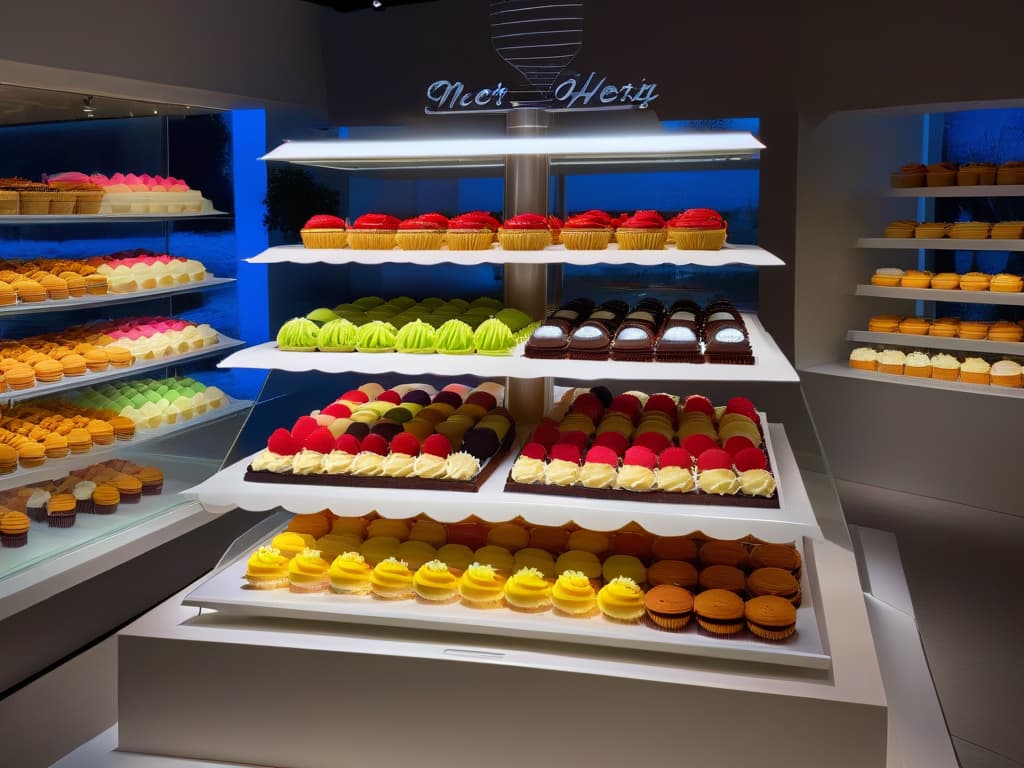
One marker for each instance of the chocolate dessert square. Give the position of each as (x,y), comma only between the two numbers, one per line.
(634,341)
(728,342)
(679,343)
(549,341)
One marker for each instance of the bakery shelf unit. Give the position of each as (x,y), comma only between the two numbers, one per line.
(1004,299)
(979,190)
(981,346)
(110,299)
(938,244)
(845,371)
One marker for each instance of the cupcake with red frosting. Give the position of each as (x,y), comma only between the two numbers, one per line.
(590,231)
(422,233)
(698,229)
(323,231)
(555,225)
(473,231)
(525,232)
(373,231)
(643,231)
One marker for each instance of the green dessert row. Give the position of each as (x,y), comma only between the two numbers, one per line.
(455,327)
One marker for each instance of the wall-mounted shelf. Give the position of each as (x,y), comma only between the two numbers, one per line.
(987,190)
(845,371)
(771,364)
(107,299)
(935,294)
(750,255)
(938,244)
(88,379)
(981,346)
(53,468)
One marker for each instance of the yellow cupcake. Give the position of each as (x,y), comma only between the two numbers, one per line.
(307,572)
(481,586)
(267,569)
(622,600)
(434,582)
(528,590)
(574,594)
(391,579)
(349,574)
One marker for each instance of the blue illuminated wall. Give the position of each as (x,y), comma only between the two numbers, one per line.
(982,135)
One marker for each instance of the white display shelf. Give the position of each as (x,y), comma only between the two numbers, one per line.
(489,152)
(981,346)
(106,218)
(938,244)
(55,559)
(224,592)
(107,299)
(89,378)
(979,190)
(770,364)
(750,255)
(936,294)
(53,468)
(845,371)
(794,516)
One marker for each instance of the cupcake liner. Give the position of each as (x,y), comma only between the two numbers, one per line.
(525,239)
(323,238)
(398,594)
(918,371)
(35,203)
(360,590)
(63,204)
(37,514)
(470,240)
(698,239)
(420,239)
(1006,381)
(371,240)
(13,540)
(720,629)
(153,490)
(8,203)
(906,180)
(769,634)
(671,623)
(896,370)
(131,498)
(945,374)
(641,239)
(969,377)
(987,176)
(586,239)
(941,178)
(864,365)
(61,521)
(452,598)
(88,201)
(84,507)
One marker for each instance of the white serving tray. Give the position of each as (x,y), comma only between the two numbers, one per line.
(224,591)
(793,517)
(770,364)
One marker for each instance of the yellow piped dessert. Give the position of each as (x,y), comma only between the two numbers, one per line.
(307,572)
(267,569)
(434,582)
(349,574)
(720,482)
(527,470)
(622,600)
(597,475)
(757,482)
(481,586)
(561,472)
(573,594)
(675,479)
(635,477)
(391,579)
(528,590)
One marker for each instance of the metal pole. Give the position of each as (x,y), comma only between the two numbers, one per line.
(526,191)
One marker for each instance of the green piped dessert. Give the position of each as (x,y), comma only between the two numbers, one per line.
(513,318)
(416,338)
(322,315)
(376,337)
(298,335)
(493,337)
(338,336)
(455,338)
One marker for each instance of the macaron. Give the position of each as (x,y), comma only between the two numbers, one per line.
(669,607)
(719,611)
(770,617)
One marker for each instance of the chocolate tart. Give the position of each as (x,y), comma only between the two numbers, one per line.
(679,343)
(634,341)
(591,341)
(728,342)
(549,341)
(410,483)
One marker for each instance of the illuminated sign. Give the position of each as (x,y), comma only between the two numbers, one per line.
(594,92)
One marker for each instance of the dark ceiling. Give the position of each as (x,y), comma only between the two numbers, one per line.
(361,5)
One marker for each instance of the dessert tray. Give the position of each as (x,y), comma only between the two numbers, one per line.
(808,648)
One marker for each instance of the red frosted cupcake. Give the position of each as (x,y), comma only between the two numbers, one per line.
(324,231)
(422,233)
(590,231)
(643,231)
(525,232)
(698,229)
(473,231)
(373,231)
(555,225)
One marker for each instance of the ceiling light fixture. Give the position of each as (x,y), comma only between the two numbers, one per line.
(377,5)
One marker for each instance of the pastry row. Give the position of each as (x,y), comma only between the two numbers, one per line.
(412,430)
(73,192)
(948,327)
(945,174)
(151,403)
(95,347)
(893,277)
(693,229)
(682,332)
(942,366)
(458,327)
(961,230)
(98,489)
(653,444)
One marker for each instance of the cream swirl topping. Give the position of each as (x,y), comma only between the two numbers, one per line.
(461,466)
(307,462)
(398,465)
(428,465)
(597,475)
(527,470)
(336,463)
(675,479)
(633,477)
(368,464)
(560,472)
(757,482)
(721,482)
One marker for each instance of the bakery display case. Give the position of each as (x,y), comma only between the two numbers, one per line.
(396,577)
(114,302)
